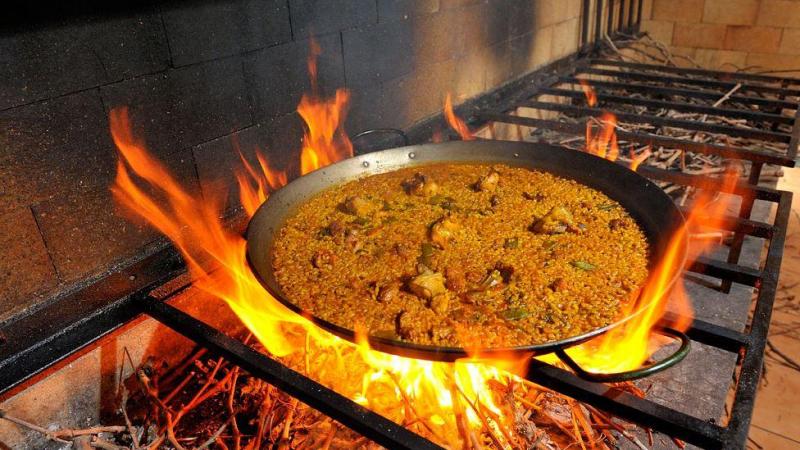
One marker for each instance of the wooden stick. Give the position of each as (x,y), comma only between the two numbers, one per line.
(727,95)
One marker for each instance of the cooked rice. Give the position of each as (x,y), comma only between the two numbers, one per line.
(514,275)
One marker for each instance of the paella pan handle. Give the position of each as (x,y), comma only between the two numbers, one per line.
(635,374)
(402,134)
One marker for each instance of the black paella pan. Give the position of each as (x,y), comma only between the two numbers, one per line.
(652,209)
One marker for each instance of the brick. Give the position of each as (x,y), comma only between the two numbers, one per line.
(218,160)
(53,147)
(497,18)
(469,77)
(59,60)
(779,13)
(700,35)
(185,106)
(688,52)
(87,232)
(199,32)
(678,10)
(453,4)
(531,51)
(25,268)
(659,30)
(731,12)
(434,36)
(549,12)
(790,42)
(402,101)
(316,17)
(647,9)
(500,69)
(720,59)
(565,38)
(521,17)
(772,61)
(277,77)
(753,39)
(378,53)
(404,9)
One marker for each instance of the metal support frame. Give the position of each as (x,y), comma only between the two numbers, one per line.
(639,410)
(53,331)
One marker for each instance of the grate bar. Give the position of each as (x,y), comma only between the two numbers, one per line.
(717,336)
(770,136)
(791,152)
(727,271)
(717,74)
(579,129)
(627,406)
(738,224)
(360,419)
(669,79)
(755,116)
(689,93)
(743,403)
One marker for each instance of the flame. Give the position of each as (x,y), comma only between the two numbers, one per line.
(455,122)
(325,141)
(628,346)
(215,257)
(604,142)
(588,91)
(390,385)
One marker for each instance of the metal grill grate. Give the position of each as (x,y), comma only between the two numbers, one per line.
(57,329)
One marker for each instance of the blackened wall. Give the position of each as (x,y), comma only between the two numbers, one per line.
(199,75)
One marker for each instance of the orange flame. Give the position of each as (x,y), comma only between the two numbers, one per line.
(217,262)
(215,257)
(628,346)
(455,122)
(604,142)
(325,141)
(588,91)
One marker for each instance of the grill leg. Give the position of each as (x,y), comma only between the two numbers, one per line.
(744,212)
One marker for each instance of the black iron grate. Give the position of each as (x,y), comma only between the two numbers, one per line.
(62,327)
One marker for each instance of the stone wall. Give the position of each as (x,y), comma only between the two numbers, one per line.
(757,35)
(196,75)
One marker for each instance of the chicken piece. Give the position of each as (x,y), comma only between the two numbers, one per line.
(404,325)
(389,291)
(336,230)
(323,259)
(489,182)
(421,185)
(616,224)
(558,285)
(443,231)
(427,285)
(353,239)
(358,206)
(558,220)
(439,303)
(456,281)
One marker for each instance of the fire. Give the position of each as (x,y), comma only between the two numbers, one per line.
(604,142)
(455,122)
(588,91)
(325,141)
(440,400)
(215,257)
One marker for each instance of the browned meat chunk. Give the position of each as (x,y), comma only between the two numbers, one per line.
(323,259)
(443,231)
(558,220)
(427,285)
(358,206)
(489,182)
(421,185)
